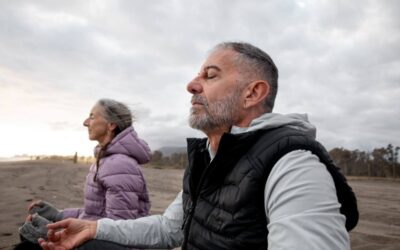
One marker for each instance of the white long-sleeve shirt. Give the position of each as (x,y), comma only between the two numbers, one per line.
(301,207)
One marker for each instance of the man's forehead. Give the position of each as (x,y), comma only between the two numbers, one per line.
(219,59)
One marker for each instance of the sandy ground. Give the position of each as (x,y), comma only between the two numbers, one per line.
(61,183)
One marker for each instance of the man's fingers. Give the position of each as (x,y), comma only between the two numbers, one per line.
(58,234)
(50,246)
(47,245)
(59,224)
(43,243)
(51,235)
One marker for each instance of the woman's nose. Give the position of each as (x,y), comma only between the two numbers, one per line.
(86,122)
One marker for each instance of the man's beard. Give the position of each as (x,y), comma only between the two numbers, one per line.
(218,114)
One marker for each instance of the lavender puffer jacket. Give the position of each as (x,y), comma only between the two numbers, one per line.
(120,190)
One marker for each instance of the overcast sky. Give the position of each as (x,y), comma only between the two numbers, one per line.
(339,62)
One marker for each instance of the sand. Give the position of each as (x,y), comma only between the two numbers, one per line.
(61,183)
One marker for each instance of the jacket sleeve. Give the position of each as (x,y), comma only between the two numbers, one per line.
(301,205)
(156,231)
(71,212)
(126,195)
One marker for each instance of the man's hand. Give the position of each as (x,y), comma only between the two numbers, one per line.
(68,234)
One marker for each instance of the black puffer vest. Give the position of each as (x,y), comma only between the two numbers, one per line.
(223,201)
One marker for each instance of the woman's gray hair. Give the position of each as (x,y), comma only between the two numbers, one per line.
(254,60)
(116,112)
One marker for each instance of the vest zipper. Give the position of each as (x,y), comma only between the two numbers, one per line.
(189,217)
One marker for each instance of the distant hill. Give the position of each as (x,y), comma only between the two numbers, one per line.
(168,151)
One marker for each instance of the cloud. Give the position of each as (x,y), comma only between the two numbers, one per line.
(63,125)
(338,62)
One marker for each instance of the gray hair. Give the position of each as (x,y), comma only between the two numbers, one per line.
(255,61)
(116,112)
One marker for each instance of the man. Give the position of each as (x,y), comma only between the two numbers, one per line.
(259,180)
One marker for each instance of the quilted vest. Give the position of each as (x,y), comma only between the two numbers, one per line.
(223,200)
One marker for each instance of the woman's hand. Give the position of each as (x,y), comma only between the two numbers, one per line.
(68,234)
(34,204)
(46,210)
(34,228)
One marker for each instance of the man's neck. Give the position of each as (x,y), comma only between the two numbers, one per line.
(214,137)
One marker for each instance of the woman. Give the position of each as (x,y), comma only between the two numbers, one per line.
(115,186)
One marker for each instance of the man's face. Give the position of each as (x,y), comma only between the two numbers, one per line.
(216,93)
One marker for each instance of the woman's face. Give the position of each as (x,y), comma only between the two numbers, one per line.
(99,128)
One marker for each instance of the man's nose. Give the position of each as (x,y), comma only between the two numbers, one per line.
(194,86)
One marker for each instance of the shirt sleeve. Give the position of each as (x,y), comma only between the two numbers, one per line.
(301,205)
(156,231)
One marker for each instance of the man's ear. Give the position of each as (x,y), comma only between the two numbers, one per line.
(255,93)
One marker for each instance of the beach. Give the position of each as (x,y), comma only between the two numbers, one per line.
(61,183)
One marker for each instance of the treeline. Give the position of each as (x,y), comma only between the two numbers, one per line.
(381,162)
(175,160)
(74,158)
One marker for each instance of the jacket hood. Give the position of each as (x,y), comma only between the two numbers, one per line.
(128,143)
(275,120)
